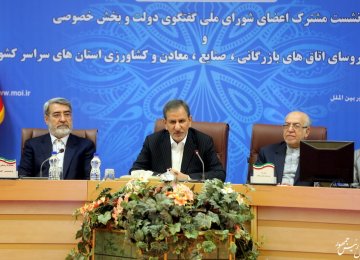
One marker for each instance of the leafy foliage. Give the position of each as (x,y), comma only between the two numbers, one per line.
(170,216)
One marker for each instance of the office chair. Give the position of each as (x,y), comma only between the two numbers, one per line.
(218,131)
(266,134)
(27,133)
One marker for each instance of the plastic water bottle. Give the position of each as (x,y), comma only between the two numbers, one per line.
(95,168)
(54,173)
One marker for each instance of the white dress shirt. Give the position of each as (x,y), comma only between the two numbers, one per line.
(59,144)
(291,165)
(177,151)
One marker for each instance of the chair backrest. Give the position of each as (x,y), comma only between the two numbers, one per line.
(27,133)
(218,131)
(265,134)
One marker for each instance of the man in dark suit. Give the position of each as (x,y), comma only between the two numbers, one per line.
(74,153)
(175,148)
(285,155)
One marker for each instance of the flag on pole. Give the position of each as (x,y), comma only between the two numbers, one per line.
(2,110)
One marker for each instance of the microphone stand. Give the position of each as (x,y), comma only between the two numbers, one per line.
(203,165)
(42,164)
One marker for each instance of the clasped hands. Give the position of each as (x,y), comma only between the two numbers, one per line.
(179,175)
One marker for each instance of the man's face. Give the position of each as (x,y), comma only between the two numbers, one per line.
(293,130)
(59,120)
(177,122)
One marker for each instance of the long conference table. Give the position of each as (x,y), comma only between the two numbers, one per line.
(36,220)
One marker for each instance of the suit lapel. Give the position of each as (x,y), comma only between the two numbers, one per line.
(46,149)
(280,161)
(69,154)
(189,151)
(297,173)
(165,153)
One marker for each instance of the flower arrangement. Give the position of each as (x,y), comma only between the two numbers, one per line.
(170,216)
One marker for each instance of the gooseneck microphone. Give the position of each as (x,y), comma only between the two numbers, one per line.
(42,164)
(203,165)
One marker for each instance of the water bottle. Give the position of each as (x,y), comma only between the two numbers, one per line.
(54,173)
(95,168)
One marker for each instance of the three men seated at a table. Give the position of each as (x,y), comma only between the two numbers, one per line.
(172,149)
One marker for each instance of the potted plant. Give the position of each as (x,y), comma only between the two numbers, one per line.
(170,218)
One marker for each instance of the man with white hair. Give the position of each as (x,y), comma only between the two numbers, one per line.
(75,152)
(285,155)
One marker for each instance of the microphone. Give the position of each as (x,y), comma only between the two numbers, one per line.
(203,165)
(42,164)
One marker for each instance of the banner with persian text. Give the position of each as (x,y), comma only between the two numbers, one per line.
(119,62)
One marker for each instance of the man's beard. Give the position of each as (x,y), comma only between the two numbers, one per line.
(60,132)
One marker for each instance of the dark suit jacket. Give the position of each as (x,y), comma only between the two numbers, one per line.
(156,155)
(276,153)
(78,154)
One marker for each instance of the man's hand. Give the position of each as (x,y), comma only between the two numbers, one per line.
(179,175)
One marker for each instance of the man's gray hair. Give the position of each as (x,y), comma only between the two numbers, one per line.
(57,100)
(305,116)
(175,104)
(308,120)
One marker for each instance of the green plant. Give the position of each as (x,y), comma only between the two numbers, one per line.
(170,216)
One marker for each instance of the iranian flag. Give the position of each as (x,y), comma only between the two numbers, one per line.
(2,110)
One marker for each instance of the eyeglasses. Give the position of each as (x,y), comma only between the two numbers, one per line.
(295,126)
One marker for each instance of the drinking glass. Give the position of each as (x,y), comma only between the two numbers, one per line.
(109,174)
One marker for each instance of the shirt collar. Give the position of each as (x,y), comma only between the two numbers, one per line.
(64,139)
(293,150)
(183,141)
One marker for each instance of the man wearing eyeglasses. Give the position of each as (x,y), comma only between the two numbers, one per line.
(74,153)
(285,155)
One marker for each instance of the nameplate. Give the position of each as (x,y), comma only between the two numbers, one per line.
(8,168)
(263,174)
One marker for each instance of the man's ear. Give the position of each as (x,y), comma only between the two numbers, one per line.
(46,118)
(190,119)
(164,121)
(307,132)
